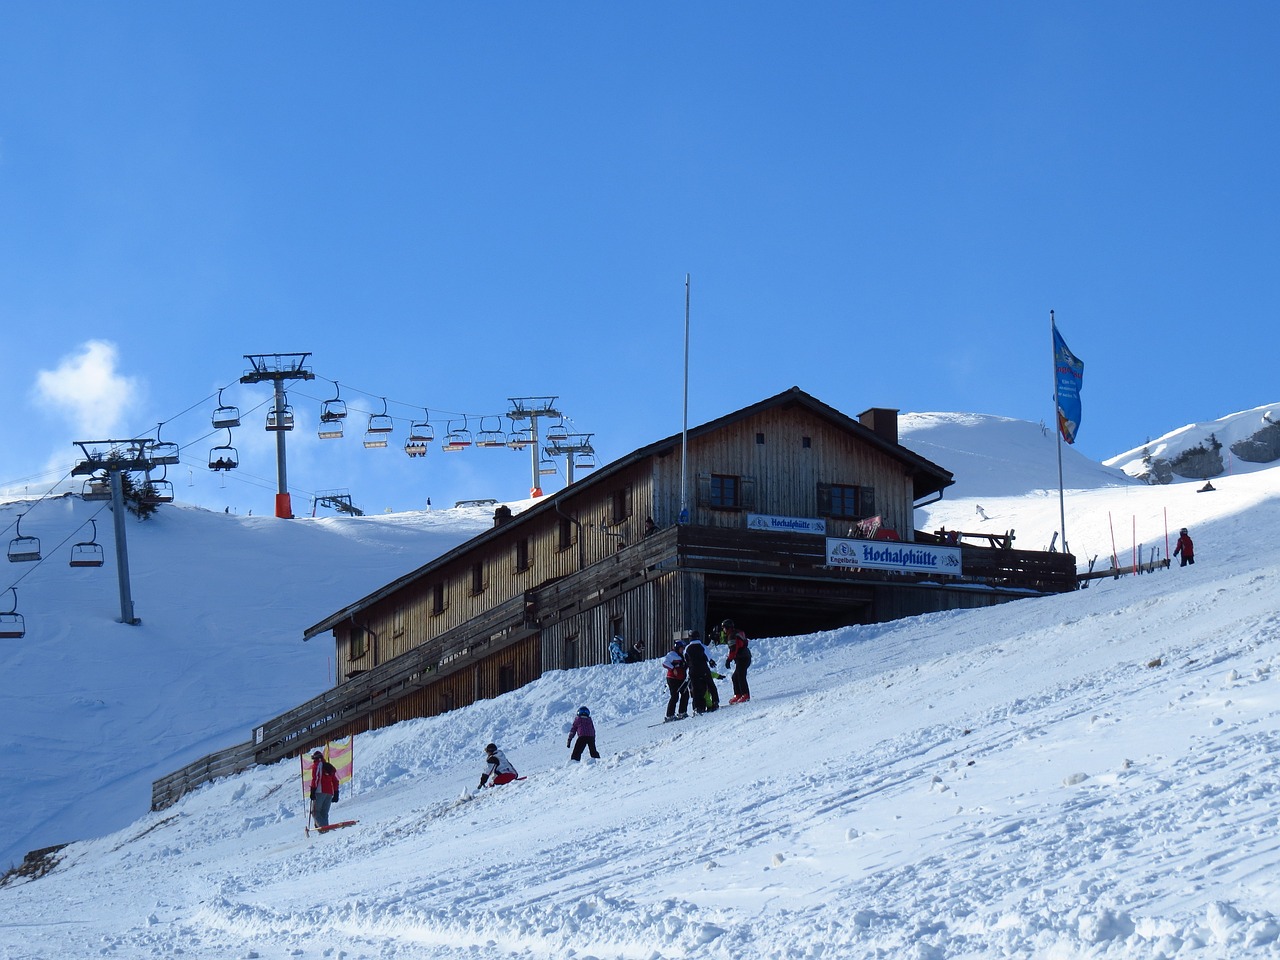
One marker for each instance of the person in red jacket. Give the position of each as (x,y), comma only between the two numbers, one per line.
(1184,548)
(740,657)
(324,788)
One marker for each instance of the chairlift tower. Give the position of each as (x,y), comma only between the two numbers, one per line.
(277,368)
(127,456)
(534,409)
(569,448)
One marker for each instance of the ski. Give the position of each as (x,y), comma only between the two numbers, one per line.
(335,826)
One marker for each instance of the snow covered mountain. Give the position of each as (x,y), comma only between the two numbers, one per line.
(1083,775)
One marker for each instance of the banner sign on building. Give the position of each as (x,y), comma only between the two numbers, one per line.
(761,521)
(893,555)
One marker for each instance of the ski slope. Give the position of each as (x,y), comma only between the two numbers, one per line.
(1094,774)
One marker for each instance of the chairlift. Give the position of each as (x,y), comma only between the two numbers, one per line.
(160,452)
(224,457)
(158,491)
(547,467)
(380,422)
(96,488)
(558,432)
(421,430)
(224,415)
(415,447)
(490,438)
(281,419)
(457,439)
(332,411)
(520,439)
(88,553)
(584,460)
(329,429)
(12,625)
(23,549)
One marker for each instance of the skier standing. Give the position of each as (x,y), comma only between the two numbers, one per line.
(1185,548)
(585,730)
(324,788)
(701,682)
(673,663)
(740,657)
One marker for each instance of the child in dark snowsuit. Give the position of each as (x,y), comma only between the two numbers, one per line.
(585,731)
(701,683)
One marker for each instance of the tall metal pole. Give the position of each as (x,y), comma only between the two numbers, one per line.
(684,431)
(1057,429)
(284,508)
(535,483)
(122,549)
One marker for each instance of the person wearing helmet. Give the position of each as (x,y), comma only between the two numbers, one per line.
(585,730)
(1184,548)
(702,685)
(673,663)
(497,766)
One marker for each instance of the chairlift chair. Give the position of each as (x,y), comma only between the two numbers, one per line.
(96,488)
(421,430)
(158,491)
(12,624)
(23,549)
(225,415)
(456,439)
(224,457)
(558,432)
(329,429)
(88,553)
(380,422)
(280,419)
(490,438)
(584,460)
(161,452)
(331,411)
(547,467)
(520,439)
(421,433)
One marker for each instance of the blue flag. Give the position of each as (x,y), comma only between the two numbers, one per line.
(1068,373)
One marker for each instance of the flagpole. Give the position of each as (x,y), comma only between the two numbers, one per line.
(684,430)
(1057,429)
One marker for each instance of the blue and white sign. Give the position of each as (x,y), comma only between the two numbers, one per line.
(762,521)
(893,555)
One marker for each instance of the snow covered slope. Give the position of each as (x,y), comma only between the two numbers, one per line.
(96,710)
(1094,774)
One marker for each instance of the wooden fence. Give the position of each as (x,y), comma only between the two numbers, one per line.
(168,789)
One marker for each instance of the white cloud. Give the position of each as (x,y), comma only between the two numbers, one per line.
(88,388)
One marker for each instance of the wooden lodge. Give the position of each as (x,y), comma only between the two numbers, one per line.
(769,489)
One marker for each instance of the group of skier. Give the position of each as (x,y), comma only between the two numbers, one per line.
(691,679)
(691,676)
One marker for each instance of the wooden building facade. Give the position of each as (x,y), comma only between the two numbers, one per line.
(548,588)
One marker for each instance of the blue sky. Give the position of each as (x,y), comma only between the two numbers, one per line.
(451,205)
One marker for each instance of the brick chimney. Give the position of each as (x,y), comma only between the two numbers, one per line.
(501,515)
(882,421)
